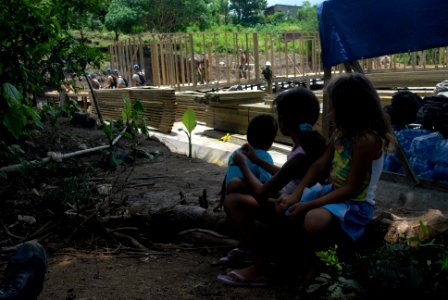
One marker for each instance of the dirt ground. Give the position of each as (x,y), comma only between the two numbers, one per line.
(145,260)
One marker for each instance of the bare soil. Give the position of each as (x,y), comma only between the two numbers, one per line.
(115,244)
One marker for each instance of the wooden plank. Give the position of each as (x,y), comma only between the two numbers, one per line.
(247,62)
(141,56)
(193,64)
(227,59)
(163,63)
(203,57)
(286,59)
(273,66)
(217,60)
(181,61)
(208,63)
(256,57)
(237,58)
(294,57)
(156,63)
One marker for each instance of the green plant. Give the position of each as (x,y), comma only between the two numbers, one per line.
(189,121)
(413,266)
(70,107)
(132,117)
(335,283)
(72,191)
(113,160)
(135,124)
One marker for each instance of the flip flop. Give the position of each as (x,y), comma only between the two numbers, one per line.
(235,279)
(234,257)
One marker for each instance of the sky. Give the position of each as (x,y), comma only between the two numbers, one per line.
(292,2)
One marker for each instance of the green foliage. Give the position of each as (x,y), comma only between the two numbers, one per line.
(412,266)
(72,191)
(307,16)
(175,15)
(276,18)
(334,284)
(189,121)
(330,258)
(37,50)
(248,12)
(122,15)
(219,10)
(52,112)
(132,116)
(415,267)
(14,114)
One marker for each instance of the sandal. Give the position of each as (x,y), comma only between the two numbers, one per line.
(235,279)
(235,256)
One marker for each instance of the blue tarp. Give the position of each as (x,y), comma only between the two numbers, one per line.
(356,29)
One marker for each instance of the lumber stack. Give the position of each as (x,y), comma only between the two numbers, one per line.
(158,104)
(228,112)
(110,102)
(386,95)
(194,100)
(407,78)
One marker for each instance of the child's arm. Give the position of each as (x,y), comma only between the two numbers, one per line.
(250,153)
(319,167)
(293,168)
(366,150)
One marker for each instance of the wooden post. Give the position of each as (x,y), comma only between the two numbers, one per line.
(182,60)
(142,56)
(294,56)
(217,60)
(302,54)
(274,69)
(286,59)
(256,58)
(176,63)
(204,58)
(247,62)
(188,61)
(163,62)
(208,63)
(155,59)
(237,59)
(122,56)
(127,46)
(193,64)
(227,59)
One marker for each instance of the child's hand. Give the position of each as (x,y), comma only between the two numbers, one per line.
(296,210)
(284,202)
(249,151)
(239,159)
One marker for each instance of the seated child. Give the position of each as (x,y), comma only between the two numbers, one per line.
(261,133)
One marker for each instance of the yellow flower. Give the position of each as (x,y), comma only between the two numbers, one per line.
(225,138)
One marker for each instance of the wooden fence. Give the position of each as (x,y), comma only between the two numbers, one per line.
(188,60)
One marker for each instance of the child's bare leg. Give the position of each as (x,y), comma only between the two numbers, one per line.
(240,209)
(318,223)
(237,185)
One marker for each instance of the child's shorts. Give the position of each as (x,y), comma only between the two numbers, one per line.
(353,215)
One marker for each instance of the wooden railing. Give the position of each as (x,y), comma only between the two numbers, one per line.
(216,59)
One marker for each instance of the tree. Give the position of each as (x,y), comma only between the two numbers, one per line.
(220,10)
(307,16)
(248,12)
(36,50)
(123,15)
(175,15)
